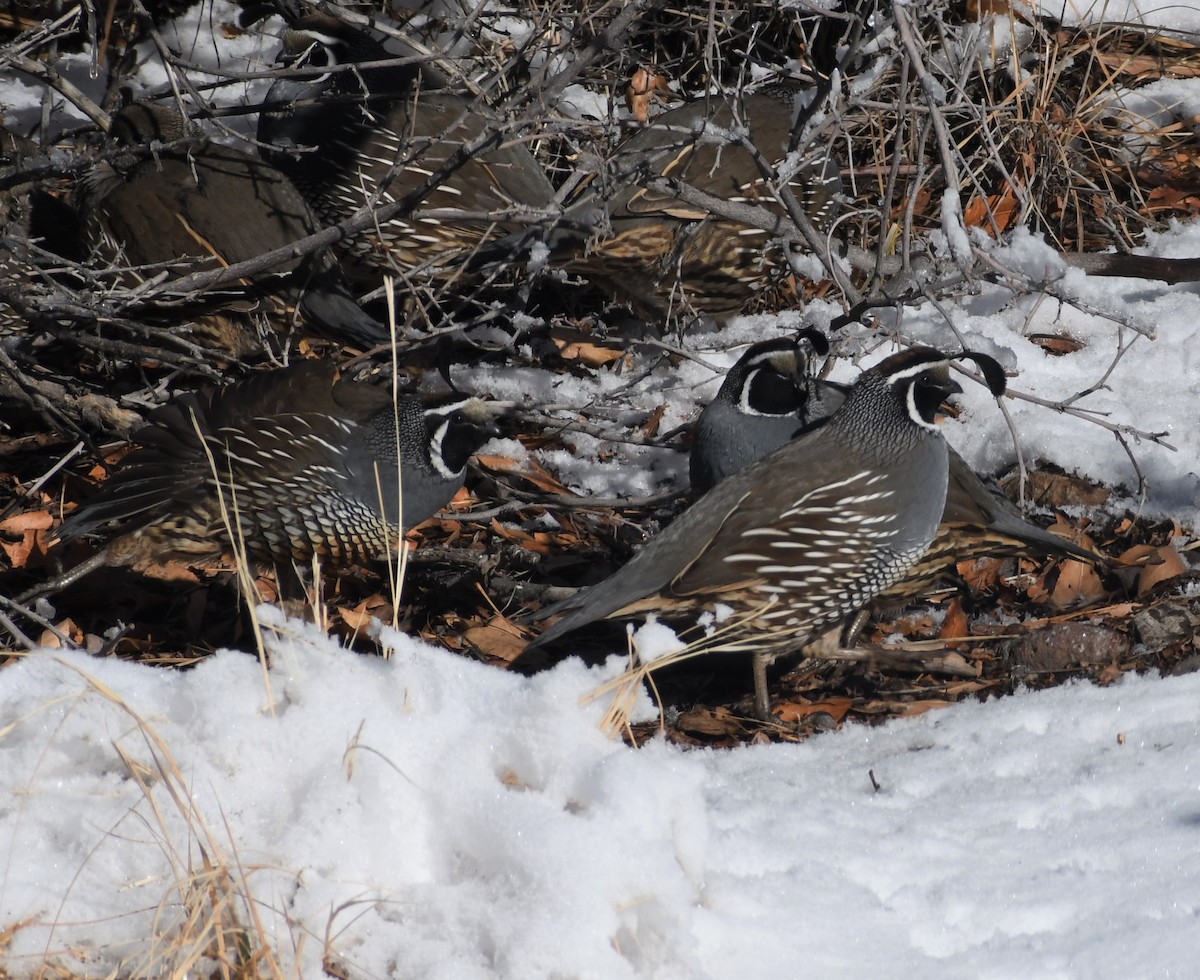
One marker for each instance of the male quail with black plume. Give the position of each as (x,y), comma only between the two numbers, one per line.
(370,136)
(301,462)
(160,203)
(805,537)
(769,391)
(766,399)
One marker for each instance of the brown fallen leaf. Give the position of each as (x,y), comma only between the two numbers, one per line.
(709,721)
(1077,582)
(66,628)
(995,212)
(980,574)
(790,712)
(1169,565)
(650,426)
(976,10)
(913,708)
(538,541)
(32,527)
(954,625)
(499,637)
(1056,490)
(1057,344)
(643,86)
(574,345)
(530,470)
(34,520)
(359,617)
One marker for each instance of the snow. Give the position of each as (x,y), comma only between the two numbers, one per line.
(457,820)
(428,816)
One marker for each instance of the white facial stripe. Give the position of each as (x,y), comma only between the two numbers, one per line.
(744,395)
(916,369)
(911,394)
(447,408)
(914,413)
(328,40)
(435,451)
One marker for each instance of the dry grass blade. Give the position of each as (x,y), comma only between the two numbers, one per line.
(209,918)
(397,572)
(245,573)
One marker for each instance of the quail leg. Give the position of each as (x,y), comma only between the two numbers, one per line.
(762,697)
(854,628)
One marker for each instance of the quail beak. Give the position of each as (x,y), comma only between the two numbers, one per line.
(947,409)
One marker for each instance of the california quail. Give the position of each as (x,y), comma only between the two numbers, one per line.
(769,391)
(665,256)
(806,536)
(766,399)
(213,203)
(371,136)
(302,462)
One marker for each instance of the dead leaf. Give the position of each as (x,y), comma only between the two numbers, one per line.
(1057,344)
(1168,566)
(790,712)
(650,426)
(980,574)
(920,707)
(530,470)
(1056,490)
(643,86)
(499,637)
(66,628)
(995,213)
(705,721)
(1073,533)
(1077,582)
(574,345)
(976,10)
(359,617)
(954,625)
(34,520)
(538,541)
(32,527)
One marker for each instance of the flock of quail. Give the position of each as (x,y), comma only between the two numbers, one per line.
(815,501)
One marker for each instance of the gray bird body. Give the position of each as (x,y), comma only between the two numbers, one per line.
(722,456)
(739,427)
(797,540)
(301,463)
(765,400)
